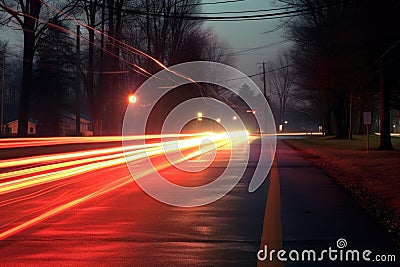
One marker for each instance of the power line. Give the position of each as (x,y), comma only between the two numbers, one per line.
(243,11)
(274,15)
(255,48)
(209,13)
(260,73)
(220,2)
(222,18)
(198,16)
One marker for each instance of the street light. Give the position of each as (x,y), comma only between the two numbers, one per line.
(132,99)
(234,118)
(218,120)
(199,116)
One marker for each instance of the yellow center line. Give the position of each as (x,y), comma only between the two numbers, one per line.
(272,228)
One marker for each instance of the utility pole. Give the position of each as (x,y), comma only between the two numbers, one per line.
(2,92)
(264,82)
(265,87)
(78,82)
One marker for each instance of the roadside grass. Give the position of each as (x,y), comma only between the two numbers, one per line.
(372,177)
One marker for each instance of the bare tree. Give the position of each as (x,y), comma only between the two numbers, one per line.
(167,29)
(26,15)
(280,79)
(91,10)
(28,21)
(342,53)
(112,89)
(216,49)
(53,79)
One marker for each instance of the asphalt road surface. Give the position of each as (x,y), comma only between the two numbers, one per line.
(92,213)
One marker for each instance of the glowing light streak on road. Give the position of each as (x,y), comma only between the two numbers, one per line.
(74,155)
(220,140)
(94,163)
(44,191)
(118,183)
(33,142)
(53,158)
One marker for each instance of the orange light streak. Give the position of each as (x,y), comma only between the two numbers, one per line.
(118,183)
(57,171)
(103,159)
(48,141)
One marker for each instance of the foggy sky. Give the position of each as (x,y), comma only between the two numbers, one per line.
(248,34)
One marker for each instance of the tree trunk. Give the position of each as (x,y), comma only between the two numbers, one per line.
(117,101)
(106,79)
(385,138)
(26,83)
(360,118)
(341,116)
(33,9)
(97,125)
(94,109)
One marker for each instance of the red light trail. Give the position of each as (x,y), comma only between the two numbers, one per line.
(32,184)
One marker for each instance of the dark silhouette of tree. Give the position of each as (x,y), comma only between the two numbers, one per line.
(280,80)
(94,16)
(13,71)
(164,37)
(26,15)
(114,99)
(210,47)
(164,33)
(28,24)
(338,52)
(53,79)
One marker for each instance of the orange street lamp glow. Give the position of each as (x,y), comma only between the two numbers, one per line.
(132,99)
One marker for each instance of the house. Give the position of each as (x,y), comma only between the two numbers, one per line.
(11,128)
(68,125)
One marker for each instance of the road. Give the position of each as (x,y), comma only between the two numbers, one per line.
(86,210)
